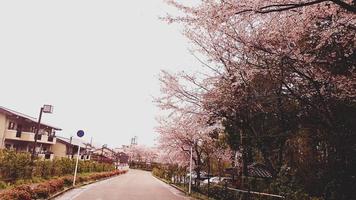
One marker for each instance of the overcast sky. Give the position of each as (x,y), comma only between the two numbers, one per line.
(97,62)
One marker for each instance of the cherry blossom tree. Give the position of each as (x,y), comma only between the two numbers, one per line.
(282,69)
(141,153)
(187,123)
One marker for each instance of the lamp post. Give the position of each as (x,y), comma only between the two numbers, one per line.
(44,109)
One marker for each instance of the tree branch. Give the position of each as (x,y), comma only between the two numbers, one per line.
(284,7)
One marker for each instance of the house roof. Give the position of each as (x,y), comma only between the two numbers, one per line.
(259,170)
(12,112)
(74,142)
(254,170)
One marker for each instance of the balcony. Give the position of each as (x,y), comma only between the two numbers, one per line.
(81,157)
(29,137)
(46,156)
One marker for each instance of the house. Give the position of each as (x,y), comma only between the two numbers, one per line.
(104,155)
(17,132)
(123,158)
(256,170)
(68,148)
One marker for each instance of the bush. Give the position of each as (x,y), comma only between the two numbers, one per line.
(45,189)
(18,166)
(67,180)
(14,165)
(3,185)
(23,192)
(55,185)
(16,195)
(41,191)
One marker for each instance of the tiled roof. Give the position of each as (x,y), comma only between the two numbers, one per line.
(12,112)
(73,142)
(254,170)
(259,171)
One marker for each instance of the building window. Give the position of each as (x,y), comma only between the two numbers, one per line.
(47,156)
(18,131)
(12,125)
(39,137)
(33,129)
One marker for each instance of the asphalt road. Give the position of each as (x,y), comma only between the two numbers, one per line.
(134,185)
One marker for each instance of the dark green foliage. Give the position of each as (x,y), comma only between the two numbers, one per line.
(17,167)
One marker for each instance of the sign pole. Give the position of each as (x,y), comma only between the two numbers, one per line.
(80,134)
(76,166)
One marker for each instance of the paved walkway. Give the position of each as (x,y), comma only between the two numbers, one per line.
(135,185)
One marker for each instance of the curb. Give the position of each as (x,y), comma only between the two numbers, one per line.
(194,197)
(176,187)
(78,186)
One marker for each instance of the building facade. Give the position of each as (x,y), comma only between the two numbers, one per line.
(17,132)
(68,148)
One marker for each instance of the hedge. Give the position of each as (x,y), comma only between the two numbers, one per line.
(18,166)
(48,188)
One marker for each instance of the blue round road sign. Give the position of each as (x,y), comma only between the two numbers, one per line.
(80,133)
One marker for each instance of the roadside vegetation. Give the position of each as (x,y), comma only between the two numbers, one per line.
(16,168)
(277,89)
(22,180)
(52,186)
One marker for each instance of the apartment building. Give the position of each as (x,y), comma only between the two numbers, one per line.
(68,148)
(17,132)
(104,154)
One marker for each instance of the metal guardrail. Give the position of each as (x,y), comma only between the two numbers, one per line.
(246,191)
(258,193)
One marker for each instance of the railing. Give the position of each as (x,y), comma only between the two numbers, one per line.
(222,191)
(257,193)
(18,134)
(46,155)
(28,136)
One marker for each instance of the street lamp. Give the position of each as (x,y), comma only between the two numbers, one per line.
(44,109)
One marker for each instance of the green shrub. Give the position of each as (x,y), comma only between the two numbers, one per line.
(18,166)
(15,165)
(3,185)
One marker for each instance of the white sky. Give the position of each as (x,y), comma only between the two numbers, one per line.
(97,62)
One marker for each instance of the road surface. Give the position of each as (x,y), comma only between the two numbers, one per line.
(134,185)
